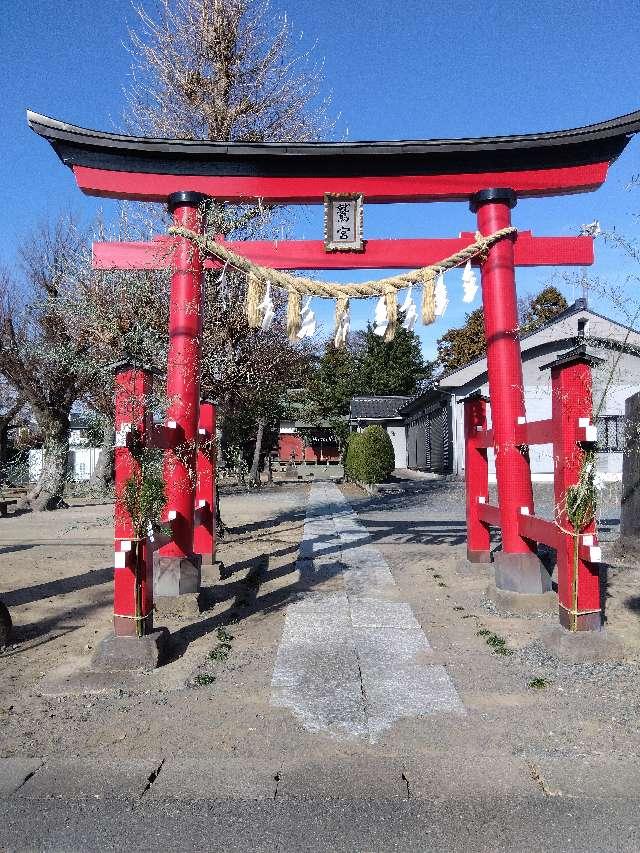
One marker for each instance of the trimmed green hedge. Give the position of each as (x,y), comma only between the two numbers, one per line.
(370,457)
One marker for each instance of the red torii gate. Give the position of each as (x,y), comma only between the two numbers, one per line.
(491,173)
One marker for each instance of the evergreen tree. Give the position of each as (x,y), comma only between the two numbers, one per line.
(458,347)
(368,366)
(396,367)
(332,385)
(537,310)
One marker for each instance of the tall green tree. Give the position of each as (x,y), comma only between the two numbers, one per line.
(394,367)
(458,347)
(467,343)
(368,365)
(535,311)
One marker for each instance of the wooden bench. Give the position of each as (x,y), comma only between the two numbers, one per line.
(5,503)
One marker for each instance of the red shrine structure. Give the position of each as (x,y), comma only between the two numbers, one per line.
(490,174)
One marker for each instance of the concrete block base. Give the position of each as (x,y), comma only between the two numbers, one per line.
(523,573)
(185,605)
(123,654)
(522,602)
(576,646)
(176,575)
(470,568)
(478,556)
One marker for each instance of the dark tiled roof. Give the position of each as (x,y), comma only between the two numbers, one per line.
(376,407)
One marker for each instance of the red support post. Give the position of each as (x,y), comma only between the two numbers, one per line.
(132,559)
(177,568)
(578,592)
(518,568)
(476,473)
(204,541)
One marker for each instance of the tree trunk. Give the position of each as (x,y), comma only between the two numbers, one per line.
(254,476)
(48,492)
(6,421)
(103,474)
(4,433)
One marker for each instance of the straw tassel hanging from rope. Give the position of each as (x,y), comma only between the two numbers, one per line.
(294,316)
(391,302)
(429,297)
(255,295)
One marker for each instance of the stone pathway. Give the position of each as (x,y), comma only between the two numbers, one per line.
(353,659)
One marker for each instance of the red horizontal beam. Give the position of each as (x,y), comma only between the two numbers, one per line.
(484,438)
(163,438)
(536,432)
(378,254)
(144,186)
(539,530)
(489,514)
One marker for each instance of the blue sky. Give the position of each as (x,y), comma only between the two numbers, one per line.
(395,70)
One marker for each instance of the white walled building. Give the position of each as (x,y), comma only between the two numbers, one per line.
(81,460)
(365,411)
(434,420)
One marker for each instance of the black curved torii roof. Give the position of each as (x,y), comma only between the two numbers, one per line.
(595,143)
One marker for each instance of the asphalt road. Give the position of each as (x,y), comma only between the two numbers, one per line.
(500,824)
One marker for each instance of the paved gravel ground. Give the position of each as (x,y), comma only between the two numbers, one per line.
(199,754)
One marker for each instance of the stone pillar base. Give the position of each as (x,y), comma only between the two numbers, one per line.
(176,575)
(124,654)
(186,605)
(524,573)
(576,646)
(521,602)
(583,621)
(478,556)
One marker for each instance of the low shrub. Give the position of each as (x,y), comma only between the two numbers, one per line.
(370,456)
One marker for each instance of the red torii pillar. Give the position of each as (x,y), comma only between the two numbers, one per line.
(571,408)
(204,534)
(517,566)
(177,569)
(132,575)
